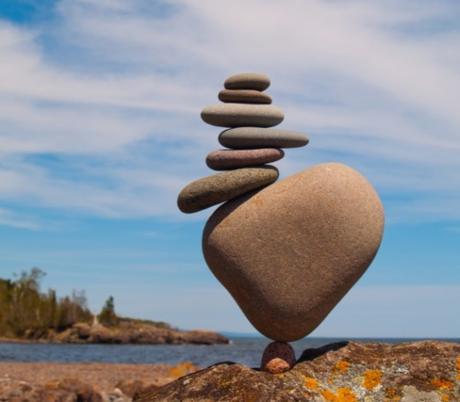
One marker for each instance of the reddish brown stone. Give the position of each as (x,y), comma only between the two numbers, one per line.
(225,159)
(278,357)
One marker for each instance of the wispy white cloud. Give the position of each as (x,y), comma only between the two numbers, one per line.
(123,96)
(13,219)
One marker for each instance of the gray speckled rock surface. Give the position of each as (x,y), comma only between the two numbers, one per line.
(244,96)
(255,81)
(212,190)
(289,253)
(224,159)
(242,114)
(256,137)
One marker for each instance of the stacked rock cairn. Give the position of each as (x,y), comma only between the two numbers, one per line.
(251,143)
(248,114)
(289,251)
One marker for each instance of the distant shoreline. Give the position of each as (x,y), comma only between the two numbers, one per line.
(127,332)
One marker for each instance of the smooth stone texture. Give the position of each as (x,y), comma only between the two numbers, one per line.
(256,137)
(212,190)
(278,357)
(242,114)
(244,96)
(255,81)
(224,159)
(289,253)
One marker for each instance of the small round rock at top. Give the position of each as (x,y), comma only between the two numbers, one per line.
(255,81)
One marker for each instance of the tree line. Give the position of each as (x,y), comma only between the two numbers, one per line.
(27,312)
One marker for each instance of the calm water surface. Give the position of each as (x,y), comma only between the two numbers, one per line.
(242,350)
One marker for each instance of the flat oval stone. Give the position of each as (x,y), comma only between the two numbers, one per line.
(212,190)
(241,114)
(290,253)
(224,159)
(256,137)
(255,81)
(244,96)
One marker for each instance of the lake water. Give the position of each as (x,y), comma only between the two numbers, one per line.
(246,350)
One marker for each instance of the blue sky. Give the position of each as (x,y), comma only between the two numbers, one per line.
(100,129)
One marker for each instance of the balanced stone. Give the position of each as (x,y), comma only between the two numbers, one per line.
(289,253)
(240,114)
(255,81)
(278,357)
(244,96)
(212,190)
(256,137)
(224,159)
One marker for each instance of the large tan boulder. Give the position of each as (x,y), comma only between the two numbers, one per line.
(289,253)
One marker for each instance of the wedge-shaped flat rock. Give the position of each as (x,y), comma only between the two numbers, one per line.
(289,253)
(242,114)
(212,190)
(224,159)
(244,96)
(257,137)
(255,81)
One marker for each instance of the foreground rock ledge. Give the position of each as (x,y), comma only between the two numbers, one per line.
(343,372)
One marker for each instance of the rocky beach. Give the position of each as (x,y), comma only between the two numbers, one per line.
(344,371)
(90,382)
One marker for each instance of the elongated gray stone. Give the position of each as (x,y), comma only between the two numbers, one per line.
(255,81)
(256,137)
(224,159)
(212,190)
(242,114)
(244,96)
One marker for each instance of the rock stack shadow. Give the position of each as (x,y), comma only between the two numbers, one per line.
(313,353)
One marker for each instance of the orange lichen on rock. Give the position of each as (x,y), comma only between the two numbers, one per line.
(445,398)
(458,368)
(345,395)
(182,369)
(442,383)
(328,395)
(311,383)
(342,395)
(342,366)
(372,378)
